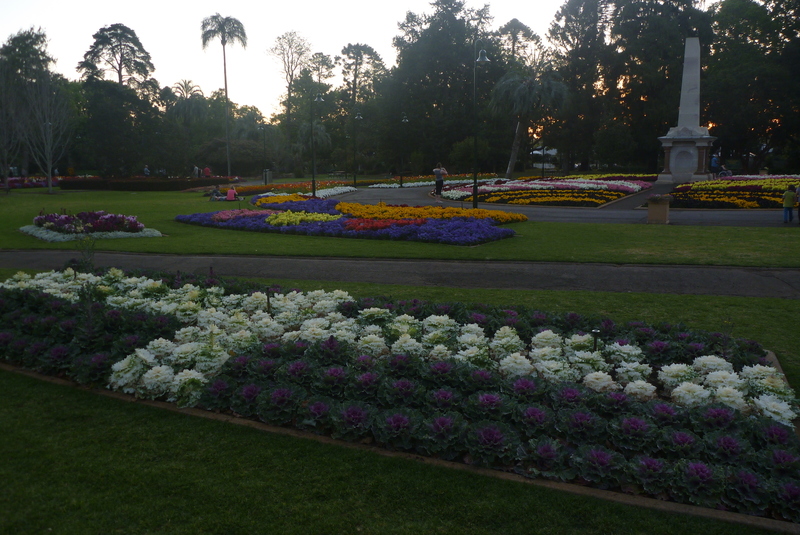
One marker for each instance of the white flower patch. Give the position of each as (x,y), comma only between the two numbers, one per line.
(600,382)
(711,363)
(477,356)
(690,395)
(675,374)
(156,382)
(53,236)
(516,364)
(731,396)
(588,361)
(439,352)
(579,342)
(640,390)
(556,370)
(374,314)
(438,337)
(126,373)
(775,408)
(404,324)
(547,353)
(161,347)
(187,387)
(266,328)
(440,323)
(623,353)
(547,339)
(506,341)
(470,339)
(408,346)
(722,378)
(372,344)
(629,372)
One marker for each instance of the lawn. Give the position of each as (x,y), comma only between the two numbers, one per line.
(534,242)
(93,464)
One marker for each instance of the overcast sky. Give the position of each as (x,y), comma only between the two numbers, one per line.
(170,32)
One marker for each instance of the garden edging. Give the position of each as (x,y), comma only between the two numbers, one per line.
(626,499)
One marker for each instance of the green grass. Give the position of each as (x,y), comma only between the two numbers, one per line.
(535,241)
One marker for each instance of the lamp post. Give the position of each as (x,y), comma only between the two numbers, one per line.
(480,59)
(264,155)
(355,145)
(404,120)
(314,149)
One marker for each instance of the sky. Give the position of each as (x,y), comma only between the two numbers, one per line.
(170,32)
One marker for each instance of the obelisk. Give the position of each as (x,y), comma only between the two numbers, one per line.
(687,146)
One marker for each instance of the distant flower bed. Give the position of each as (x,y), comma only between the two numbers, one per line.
(31,182)
(65,227)
(419,181)
(656,410)
(574,191)
(295,214)
(734,192)
(294,187)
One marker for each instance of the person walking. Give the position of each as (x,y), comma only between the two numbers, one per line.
(789,198)
(439,172)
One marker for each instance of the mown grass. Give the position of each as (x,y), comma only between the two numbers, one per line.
(535,241)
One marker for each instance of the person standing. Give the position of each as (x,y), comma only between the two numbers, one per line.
(439,172)
(146,171)
(797,200)
(789,197)
(715,166)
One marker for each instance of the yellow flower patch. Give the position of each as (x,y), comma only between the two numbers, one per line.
(280,199)
(383,211)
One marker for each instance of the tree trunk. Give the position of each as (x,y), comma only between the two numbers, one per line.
(515,148)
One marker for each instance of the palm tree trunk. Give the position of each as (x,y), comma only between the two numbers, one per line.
(515,148)
(227,110)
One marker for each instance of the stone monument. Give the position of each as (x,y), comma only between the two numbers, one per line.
(687,146)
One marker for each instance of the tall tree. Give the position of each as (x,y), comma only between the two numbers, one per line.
(48,124)
(117,49)
(515,35)
(293,52)
(362,69)
(227,30)
(528,92)
(186,89)
(321,67)
(25,54)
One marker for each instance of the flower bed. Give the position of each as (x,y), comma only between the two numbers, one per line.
(661,411)
(734,192)
(329,217)
(295,187)
(65,227)
(420,181)
(31,182)
(576,191)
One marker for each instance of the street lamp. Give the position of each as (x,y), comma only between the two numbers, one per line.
(314,149)
(480,59)
(264,167)
(355,145)
(404,120)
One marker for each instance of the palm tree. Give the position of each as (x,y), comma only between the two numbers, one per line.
(227,29)
(529,92)
(186,89)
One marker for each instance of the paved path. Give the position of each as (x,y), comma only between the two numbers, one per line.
(697,280)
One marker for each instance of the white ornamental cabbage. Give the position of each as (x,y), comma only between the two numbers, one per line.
(516,364)
(711,363)
(775,408)
(600,382)
(156,382)
(731,396)
(690,395)
(623,353)
(406,345)
(439,352)
(547,339)
(506,341)
(588,361)
(556,370)
(721,378)
(579,342)
(640,390)
(628,372)
(372,345)
(547,353)
(674,374)
(187,387)
(440,323)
